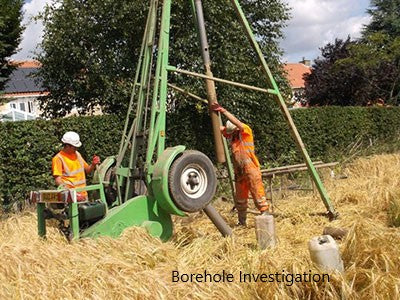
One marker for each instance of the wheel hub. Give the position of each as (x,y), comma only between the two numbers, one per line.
(193,181)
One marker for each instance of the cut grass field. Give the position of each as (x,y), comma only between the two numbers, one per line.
(137,266)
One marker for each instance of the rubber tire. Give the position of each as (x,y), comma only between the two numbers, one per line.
(110,191)
(182,200)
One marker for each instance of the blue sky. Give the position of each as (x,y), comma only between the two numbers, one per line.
(314,23)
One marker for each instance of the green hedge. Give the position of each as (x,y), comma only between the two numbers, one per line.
(27,149)
(329,133)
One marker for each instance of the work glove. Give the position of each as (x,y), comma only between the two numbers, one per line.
(81,197)
(95,160)
(216,107)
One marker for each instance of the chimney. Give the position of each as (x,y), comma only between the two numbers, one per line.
(306,62)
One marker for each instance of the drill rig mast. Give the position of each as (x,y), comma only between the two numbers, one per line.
(146,183)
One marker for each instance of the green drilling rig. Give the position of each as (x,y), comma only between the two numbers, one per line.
(146,183)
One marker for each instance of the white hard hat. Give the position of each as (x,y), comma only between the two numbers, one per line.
(230,127)
(71,138)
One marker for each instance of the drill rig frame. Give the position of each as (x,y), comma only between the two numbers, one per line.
(146,183)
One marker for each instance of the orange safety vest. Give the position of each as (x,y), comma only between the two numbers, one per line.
(72,169)
(243,149)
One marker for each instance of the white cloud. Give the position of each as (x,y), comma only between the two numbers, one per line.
(315,23)
(34,29)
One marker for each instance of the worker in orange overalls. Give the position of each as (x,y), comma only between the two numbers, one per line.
(247,168)
(68,166)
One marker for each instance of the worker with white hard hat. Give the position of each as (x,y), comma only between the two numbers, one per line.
(69,168)
(247,168)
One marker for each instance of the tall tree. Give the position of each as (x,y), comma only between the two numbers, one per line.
(90,50)
(385,18)
(370,68)
(377,53)
(377,57)
(10,35)
(332,84)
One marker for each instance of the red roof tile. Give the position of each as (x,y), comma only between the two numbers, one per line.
(26,63)
(295,73)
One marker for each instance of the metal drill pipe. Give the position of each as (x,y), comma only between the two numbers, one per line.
(210,85)
(178,89)
(233,83)
(228,158)
(218,221)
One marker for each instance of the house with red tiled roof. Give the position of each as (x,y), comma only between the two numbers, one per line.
(20,94)
(295,73)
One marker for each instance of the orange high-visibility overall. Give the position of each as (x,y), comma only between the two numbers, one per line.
(71,168)
(247,170)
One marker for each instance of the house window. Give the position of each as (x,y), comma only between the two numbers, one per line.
(13,106)
(22,106)
(30,107)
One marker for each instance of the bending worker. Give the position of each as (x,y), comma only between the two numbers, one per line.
(246,165)
(68,166)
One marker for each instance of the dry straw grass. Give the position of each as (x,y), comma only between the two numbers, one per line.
(137,266)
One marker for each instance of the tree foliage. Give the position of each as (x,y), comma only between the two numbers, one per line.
(90,50)
(362,71)
(333,84)
(10,35)
(377,58)
(385,18)
(89,53)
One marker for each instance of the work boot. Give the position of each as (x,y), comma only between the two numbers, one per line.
(242,215)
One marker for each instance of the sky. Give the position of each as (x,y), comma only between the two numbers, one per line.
(314,23)
(33,32)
